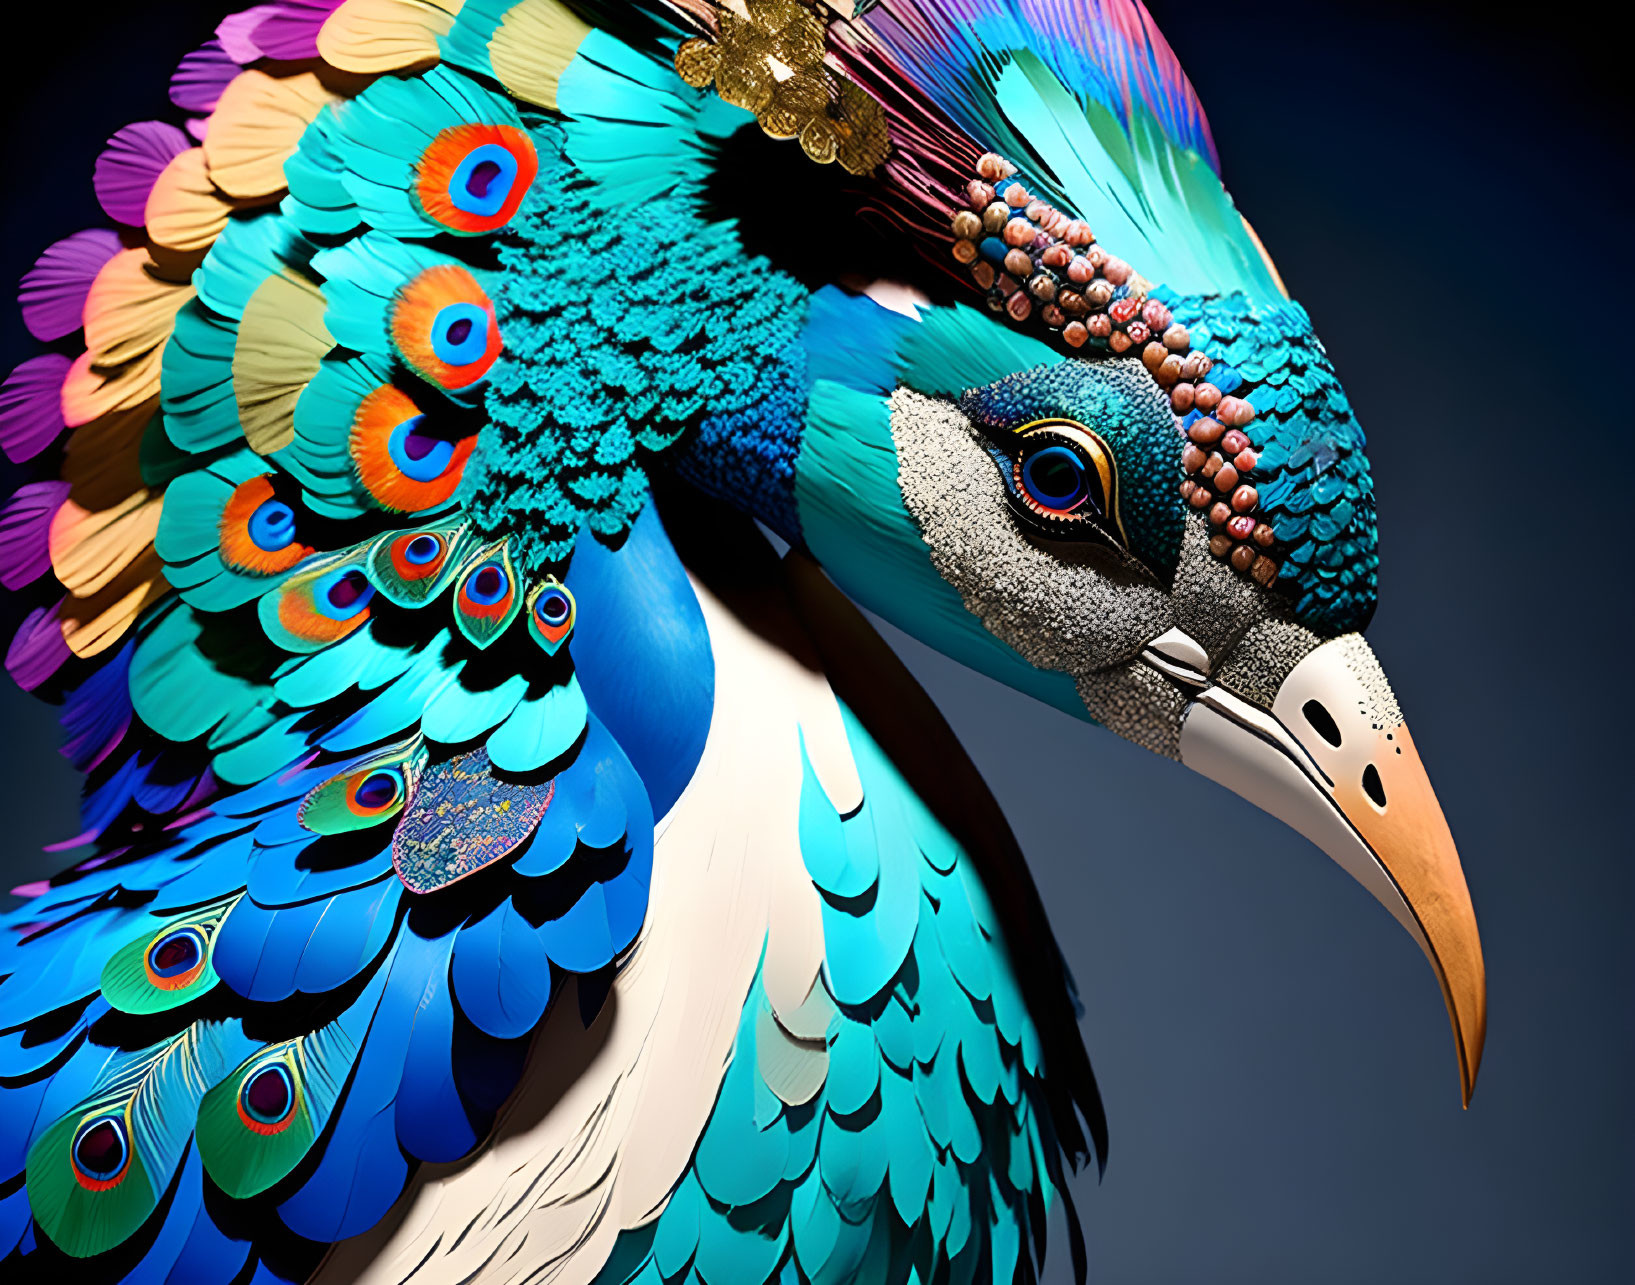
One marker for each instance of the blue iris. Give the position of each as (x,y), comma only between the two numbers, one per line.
(422,549)
(552,608)
(100,1148)
(343,593)
(268,1094)
(1055,478)
(272,526)
(176,952)
(379,790)
(419,456)
(459,334)
(483,181)
(487,584)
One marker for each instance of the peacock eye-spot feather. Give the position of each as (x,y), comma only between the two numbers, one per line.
(175,953)
(101,1150)
(267,1096)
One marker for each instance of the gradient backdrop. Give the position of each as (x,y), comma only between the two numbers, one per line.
(1448,196)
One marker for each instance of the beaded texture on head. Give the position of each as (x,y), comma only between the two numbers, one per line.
(1029,257)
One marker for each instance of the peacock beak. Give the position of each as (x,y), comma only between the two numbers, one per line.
(1333,759)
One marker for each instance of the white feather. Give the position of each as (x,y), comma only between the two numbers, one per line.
(607,1118)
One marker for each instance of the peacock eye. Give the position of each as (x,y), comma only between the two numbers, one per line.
(1063,479)
(1054,479)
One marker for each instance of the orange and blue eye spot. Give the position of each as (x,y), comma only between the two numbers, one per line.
(258,530)
(487,590)
(175,959)
(272,526)
(101,1153)
(443,325)
(419,455)
(343,593)
(552,616)
(267,1098)
(483,180)
(472,178)
(401,458)
(418,555)
(374,792)
(459,333)
(553,609)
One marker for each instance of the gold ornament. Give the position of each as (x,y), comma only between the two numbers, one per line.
(771,63)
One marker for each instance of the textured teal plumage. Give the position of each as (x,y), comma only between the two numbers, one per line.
(928,1143)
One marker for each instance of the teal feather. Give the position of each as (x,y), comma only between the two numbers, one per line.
(181,692)
(633,127)
(540,730)
(319,456)
(457,714)
(894,1160)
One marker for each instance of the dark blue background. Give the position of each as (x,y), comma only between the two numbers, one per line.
(1447,193)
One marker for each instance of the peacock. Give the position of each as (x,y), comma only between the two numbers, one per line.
(457,480)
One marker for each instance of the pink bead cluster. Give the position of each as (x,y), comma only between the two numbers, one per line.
(1052,262)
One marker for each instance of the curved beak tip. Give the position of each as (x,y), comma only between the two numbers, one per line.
(1334,760)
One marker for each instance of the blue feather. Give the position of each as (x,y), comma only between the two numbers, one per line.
(501,973)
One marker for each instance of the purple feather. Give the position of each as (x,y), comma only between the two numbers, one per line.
(293,32)
(38,650)
(236,33)
(25,530)
(53,292)
(31,406)
(200,77)
(130,165)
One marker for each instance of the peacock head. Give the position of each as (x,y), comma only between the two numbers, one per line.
(1006,361)
(1094,451)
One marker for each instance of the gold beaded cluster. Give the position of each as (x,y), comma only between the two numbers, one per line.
(1027,255)
(771,63)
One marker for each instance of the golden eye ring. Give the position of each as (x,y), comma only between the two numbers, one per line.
(1064,473)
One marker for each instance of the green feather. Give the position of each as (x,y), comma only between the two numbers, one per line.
(328,809)
(148,1101)
(244,1156)
(459,544)
(132,983)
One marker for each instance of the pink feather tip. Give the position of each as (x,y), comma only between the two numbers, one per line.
(37,649)
(199,79)
(286,30)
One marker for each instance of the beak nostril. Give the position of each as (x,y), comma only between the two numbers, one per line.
(1322,722)
(1373,787)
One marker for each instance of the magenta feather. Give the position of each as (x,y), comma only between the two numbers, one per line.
(53,292)
(286,30)
(130,165)
(25,531)
(31,406)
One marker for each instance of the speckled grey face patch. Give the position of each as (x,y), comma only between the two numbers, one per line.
(1079,607)
(1263,657)
(1075,607)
